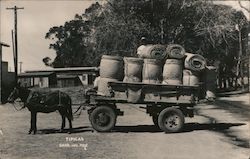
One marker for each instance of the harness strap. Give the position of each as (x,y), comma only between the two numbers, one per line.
(29,96)
(59,104)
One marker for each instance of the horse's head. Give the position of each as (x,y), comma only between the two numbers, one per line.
(18,92)
(14,95)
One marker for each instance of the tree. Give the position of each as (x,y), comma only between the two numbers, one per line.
(116,27)
(70,43)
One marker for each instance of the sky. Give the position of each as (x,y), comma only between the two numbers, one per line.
(35,20)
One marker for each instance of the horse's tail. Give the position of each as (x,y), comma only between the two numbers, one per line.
(70,109)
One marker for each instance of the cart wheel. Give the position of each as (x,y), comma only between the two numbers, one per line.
(171,120)
(155,120)
(103,118)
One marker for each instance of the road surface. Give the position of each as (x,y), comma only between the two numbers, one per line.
(218,131)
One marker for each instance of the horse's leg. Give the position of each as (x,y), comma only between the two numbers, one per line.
(70,122)
(33,122)
(70,125)
(63,121)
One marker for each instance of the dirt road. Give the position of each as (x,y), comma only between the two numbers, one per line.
(214,133)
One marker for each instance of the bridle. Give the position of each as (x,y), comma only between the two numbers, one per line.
(17,104)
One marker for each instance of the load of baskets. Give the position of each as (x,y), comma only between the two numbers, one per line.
(158,64)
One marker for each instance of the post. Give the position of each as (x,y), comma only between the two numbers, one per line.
(1,74)
(20,63)
(162,30)
(240,60)
(15,8)
(16,48)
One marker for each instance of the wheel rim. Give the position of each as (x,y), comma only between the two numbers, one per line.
(102,119)
(172,121)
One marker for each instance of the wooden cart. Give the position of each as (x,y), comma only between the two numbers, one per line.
(167,104)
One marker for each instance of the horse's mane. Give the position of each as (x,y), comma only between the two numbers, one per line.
(23,92)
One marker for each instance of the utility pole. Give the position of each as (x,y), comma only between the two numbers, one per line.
(20,64)
(15,8)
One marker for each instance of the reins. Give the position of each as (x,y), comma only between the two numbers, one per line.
(59,102)
(18,109)
(79,109)
(14,103)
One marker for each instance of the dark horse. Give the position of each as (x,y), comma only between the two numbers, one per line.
(36,102)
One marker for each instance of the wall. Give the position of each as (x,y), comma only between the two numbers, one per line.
(66,83)
(41,82)
(8,81)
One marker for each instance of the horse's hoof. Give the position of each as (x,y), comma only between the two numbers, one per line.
(30,131)
(34,132)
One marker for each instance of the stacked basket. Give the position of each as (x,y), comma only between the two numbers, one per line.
(111,70)
(193,65)
(180,68)
(172,71)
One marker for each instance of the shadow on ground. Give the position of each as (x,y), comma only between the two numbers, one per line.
(73,130)
(236,107)
(229,93)
(223,128)
(187,127)
(212,126)
(137,129)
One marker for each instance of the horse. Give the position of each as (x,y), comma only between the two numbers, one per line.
(37,103)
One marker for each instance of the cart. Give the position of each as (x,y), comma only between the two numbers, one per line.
(167,104)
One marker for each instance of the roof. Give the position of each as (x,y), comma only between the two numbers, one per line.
(35,74)
(66,69)
(66,76)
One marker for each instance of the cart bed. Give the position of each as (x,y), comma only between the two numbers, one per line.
(141,93)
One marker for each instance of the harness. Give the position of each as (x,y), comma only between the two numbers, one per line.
(59,98)
(42,99)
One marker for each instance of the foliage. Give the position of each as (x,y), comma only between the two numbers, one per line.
(70,43)
(116,27)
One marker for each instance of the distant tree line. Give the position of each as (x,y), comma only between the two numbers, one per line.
(115,28)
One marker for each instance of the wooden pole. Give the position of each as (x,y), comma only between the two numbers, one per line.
(1,74)
(20,63)
(15,8)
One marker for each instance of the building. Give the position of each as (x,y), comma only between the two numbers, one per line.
(68,80)
(4,87)
(59,77)
(8,81)
(37,79)
(8,78)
